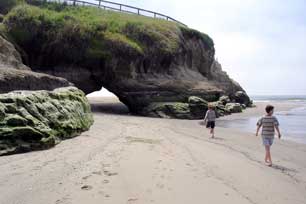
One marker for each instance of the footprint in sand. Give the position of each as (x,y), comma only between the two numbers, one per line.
(160,185)
(97,173)
(149,191)
(105,181)
(132,200)
(65,200)
(107,173)
(86,187)
(86,177)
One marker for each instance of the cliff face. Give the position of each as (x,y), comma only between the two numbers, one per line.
(139,59)
(14,75)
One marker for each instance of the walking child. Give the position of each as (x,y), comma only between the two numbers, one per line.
(269,124)
(210,118)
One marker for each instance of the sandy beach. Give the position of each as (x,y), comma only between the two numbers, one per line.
(129,159)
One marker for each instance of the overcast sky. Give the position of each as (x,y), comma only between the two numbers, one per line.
(260,43)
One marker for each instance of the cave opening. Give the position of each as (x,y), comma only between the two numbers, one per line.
(104,101)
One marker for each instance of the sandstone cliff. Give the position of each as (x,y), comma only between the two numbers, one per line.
(14,75)
(142,60)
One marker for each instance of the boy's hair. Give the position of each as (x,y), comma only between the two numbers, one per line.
(269,108)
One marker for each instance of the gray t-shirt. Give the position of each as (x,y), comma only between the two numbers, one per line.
(210,115)
(268,124)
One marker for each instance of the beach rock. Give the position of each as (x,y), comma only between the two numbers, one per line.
(14,75)
(9,57)
(224,99)
(220,108)
(14,79)
(168,110)
(197,106)
(193,108)
(197,101)
(34,120)
(144,64)
(242,98)
(233,107)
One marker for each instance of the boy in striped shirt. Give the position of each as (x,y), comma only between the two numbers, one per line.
(269,124)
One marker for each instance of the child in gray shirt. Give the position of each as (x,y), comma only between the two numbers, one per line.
(210,118)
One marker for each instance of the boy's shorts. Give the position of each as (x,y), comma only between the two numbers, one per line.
(267,141)
(210,124)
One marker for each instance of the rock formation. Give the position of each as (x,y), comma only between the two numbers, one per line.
(157,68)
(33,120)
(142,61)
(14,75)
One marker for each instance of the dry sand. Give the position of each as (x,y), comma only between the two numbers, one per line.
(127,159)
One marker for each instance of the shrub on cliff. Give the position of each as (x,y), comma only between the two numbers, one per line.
(7,5)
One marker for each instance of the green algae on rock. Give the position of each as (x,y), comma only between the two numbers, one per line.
(193,108)
(34,120)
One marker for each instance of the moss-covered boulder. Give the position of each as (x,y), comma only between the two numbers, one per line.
(233,107)
(224,100)
(193,108)
(242,98)
(168,110)
(34,120)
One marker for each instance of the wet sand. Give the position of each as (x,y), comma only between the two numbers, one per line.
(130,159)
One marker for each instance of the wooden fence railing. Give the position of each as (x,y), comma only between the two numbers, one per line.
(109,5)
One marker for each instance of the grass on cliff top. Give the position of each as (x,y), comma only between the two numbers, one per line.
(79,33)
(7,5)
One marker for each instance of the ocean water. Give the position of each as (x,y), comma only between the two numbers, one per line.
(292,122)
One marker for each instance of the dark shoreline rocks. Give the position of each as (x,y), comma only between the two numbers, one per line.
(35,120)
(192,108)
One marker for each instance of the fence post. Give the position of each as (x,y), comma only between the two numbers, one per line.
(74,2)
(99,3)
(138,11)
(120,7)
(154,15)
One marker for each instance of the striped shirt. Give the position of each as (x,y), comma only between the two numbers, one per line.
(210,115)
(268,124)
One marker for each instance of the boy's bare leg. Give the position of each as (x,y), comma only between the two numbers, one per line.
(268,156)
(212,132)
